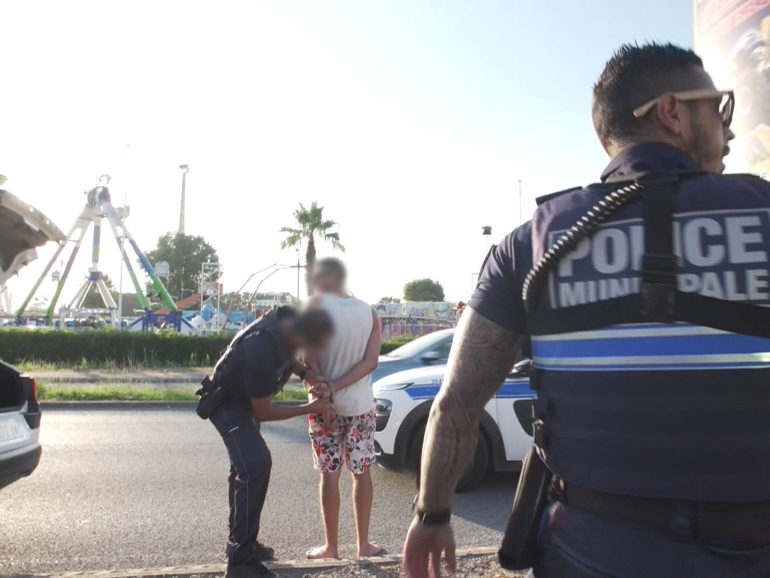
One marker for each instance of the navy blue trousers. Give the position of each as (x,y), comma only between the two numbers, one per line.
(577,544)
(250,465)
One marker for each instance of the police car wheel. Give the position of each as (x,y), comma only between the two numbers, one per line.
(475,473)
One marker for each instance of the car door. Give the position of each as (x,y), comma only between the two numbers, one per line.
(513,403)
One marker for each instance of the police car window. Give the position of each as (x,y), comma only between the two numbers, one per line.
(419,346)
(444,348)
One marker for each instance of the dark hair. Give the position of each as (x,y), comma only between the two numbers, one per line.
(634,75)
(331,266)
(313,326)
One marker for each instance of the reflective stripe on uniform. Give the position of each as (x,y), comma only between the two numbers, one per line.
(677,346)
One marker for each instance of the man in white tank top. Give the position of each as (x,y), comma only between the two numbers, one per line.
(345,437)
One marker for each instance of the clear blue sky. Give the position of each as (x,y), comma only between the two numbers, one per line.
(411,122)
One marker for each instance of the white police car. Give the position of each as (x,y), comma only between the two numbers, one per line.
(403,403)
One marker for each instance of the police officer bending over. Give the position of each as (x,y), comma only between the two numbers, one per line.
(642,299)
(255,367)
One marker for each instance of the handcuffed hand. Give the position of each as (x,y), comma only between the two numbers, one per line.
(321,390)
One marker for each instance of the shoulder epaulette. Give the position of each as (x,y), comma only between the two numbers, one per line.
(551,196)
(742,176)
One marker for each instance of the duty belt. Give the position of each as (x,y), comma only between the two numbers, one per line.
(731,529)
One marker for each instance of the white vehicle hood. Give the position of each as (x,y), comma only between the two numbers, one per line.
(420,375)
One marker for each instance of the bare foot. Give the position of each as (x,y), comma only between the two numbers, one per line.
(370,550)
(322,552)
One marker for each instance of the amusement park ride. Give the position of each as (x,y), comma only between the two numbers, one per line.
(99,207)
(200,312)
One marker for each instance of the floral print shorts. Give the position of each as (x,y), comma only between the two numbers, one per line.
(350,445)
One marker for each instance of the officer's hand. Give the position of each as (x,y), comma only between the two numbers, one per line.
(424,547)
(317,406)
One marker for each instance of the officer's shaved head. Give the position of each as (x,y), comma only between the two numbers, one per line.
(312,328)
(633,76)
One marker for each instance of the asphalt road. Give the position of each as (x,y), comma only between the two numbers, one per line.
(120,489)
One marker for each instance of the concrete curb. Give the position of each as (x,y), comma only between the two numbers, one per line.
(118,404)
(287,565)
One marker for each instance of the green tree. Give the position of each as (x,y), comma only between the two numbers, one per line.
(93,298)
(238,300)
(185,254)
(423,290)
(389,300)
(241,300)
(310,225)
(130,304)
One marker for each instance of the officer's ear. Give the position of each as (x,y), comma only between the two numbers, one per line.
(670,112)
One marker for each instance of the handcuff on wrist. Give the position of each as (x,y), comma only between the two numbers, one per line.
(331,391)
(427,519)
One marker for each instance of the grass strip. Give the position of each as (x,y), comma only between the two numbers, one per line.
(118,392)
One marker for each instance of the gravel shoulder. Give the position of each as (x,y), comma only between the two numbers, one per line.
(485,566)
(479,562)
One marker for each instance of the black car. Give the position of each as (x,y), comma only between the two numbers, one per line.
(19,425)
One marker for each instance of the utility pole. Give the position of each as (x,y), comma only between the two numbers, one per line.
(120,282)
(298,267)
(486,238)
(521,215)
(185,170)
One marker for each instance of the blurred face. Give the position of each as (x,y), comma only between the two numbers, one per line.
(704,132)
(326,283)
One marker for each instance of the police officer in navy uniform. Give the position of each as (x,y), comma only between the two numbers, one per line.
(643,301)
(258,365)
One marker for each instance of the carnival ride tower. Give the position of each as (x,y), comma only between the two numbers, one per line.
(99,208)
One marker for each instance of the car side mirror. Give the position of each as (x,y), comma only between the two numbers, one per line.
(430,357)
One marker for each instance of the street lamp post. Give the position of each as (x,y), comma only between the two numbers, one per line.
(185,170)
(486,237)
(120,282)
(298,267)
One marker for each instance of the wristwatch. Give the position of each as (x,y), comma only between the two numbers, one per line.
(431,518)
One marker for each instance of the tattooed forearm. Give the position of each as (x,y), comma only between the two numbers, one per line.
(481,357)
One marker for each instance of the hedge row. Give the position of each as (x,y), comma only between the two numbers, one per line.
(120,348)
(389,345)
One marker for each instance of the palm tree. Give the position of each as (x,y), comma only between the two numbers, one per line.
(310,225)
